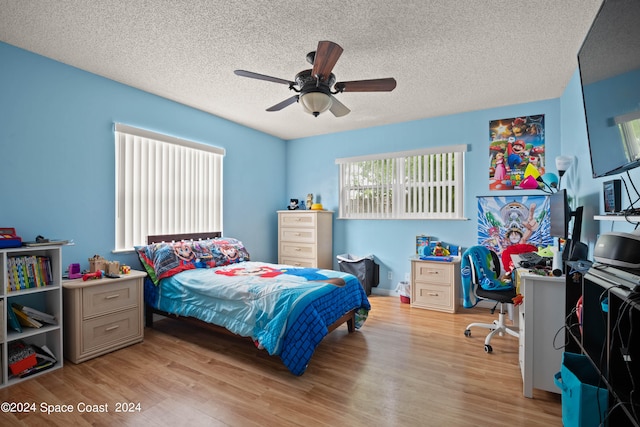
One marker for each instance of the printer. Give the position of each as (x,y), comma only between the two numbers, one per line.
(618,249)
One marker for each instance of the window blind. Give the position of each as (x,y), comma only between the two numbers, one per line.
(164,185)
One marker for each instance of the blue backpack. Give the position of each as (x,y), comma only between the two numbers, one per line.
(486,264)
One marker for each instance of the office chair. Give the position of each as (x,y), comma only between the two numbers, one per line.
(480,268)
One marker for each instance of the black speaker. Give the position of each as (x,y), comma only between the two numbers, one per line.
(612,192)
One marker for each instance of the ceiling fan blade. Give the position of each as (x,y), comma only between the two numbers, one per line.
(375,85)
(279,106)
(252,75)
(326,56)
(337,108)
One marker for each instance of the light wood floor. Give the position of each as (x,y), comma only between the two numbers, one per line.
(405,367)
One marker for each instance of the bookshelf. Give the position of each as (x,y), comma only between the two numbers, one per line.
(41,296)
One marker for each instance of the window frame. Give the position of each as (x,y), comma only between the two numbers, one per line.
(164,185)
(440,195)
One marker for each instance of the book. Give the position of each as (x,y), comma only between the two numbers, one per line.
(26,320)
(36,314)
(44,360)
(13,321)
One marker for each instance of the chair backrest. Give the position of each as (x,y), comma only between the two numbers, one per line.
(480,266)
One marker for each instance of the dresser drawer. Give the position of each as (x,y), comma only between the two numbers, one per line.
(297,262)
(110,329)
(433,296)
(302,235)
(97,300)
(297,220)
(434,272)
(297,250)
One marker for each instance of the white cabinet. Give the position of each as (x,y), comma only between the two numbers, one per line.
(46,298)
(435,285)
(305,238)
(541,322)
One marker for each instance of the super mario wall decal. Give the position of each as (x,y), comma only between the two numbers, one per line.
(516,145)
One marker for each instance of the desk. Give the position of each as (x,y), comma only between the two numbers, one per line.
(541,315)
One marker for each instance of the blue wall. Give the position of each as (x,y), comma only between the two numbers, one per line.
(56,134)
(311,169)
(57,151)
(579,179)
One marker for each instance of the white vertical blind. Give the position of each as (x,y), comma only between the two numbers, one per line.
(416,184)
(164,185)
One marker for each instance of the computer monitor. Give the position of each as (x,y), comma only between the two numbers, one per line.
(560,217)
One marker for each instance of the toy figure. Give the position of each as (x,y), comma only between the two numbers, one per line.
(293,204)
(309,200)
(439,250)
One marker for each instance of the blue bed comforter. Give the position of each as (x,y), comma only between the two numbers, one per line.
(285,310)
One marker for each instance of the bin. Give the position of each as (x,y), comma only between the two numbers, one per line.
(404,290)
(364,268)
(583,402)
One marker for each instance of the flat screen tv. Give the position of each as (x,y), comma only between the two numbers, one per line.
(609,64)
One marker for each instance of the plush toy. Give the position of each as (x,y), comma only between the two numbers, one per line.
(293,204)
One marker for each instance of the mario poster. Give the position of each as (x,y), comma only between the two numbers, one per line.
(516,151)
(510,220)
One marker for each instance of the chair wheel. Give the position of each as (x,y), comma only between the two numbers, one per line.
(488,348)
(467,332)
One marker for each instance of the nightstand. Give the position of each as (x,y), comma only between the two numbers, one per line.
(102,315)
(435,285)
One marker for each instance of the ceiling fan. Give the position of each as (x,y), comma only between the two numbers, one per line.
(313,86)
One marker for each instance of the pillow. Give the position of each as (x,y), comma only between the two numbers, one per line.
(165,259)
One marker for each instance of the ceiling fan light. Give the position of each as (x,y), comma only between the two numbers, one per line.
(315,102)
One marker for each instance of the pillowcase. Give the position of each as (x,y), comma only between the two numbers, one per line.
(165,259)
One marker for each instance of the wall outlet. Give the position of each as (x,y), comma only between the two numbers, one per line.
(390,275)
(407,277)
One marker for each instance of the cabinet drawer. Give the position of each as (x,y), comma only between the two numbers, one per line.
(298,262)
(109,329)
(97,300)
(302,235)
(438,273)
(433,296)
(297,250)
(297,220)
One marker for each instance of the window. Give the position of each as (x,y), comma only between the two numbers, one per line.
(164,185)
(419,184)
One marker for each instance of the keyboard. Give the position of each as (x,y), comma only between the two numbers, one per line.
(531,258)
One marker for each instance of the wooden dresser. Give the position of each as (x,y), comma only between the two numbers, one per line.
(102,315)
(435,285)
(305,238)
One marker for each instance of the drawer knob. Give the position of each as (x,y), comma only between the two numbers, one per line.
(297,234)
(296,219)
(111,328)
(433,272)
(112,296)
(297,249)
(433,294)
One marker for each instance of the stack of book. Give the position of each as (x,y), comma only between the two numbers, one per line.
(21,315)
(26,272)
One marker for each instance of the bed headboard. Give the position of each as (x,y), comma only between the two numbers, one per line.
(178,237)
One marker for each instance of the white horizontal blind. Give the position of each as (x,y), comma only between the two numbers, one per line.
(164,185)
(415,184)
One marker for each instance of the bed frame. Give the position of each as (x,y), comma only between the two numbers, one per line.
(348,317)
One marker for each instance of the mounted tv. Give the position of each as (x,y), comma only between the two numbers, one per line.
(609,64)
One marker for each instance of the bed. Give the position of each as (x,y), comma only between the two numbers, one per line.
(285,310)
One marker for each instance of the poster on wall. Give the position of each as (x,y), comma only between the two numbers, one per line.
(516,152)
(509,220)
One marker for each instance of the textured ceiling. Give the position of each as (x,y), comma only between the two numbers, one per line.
(448,56)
